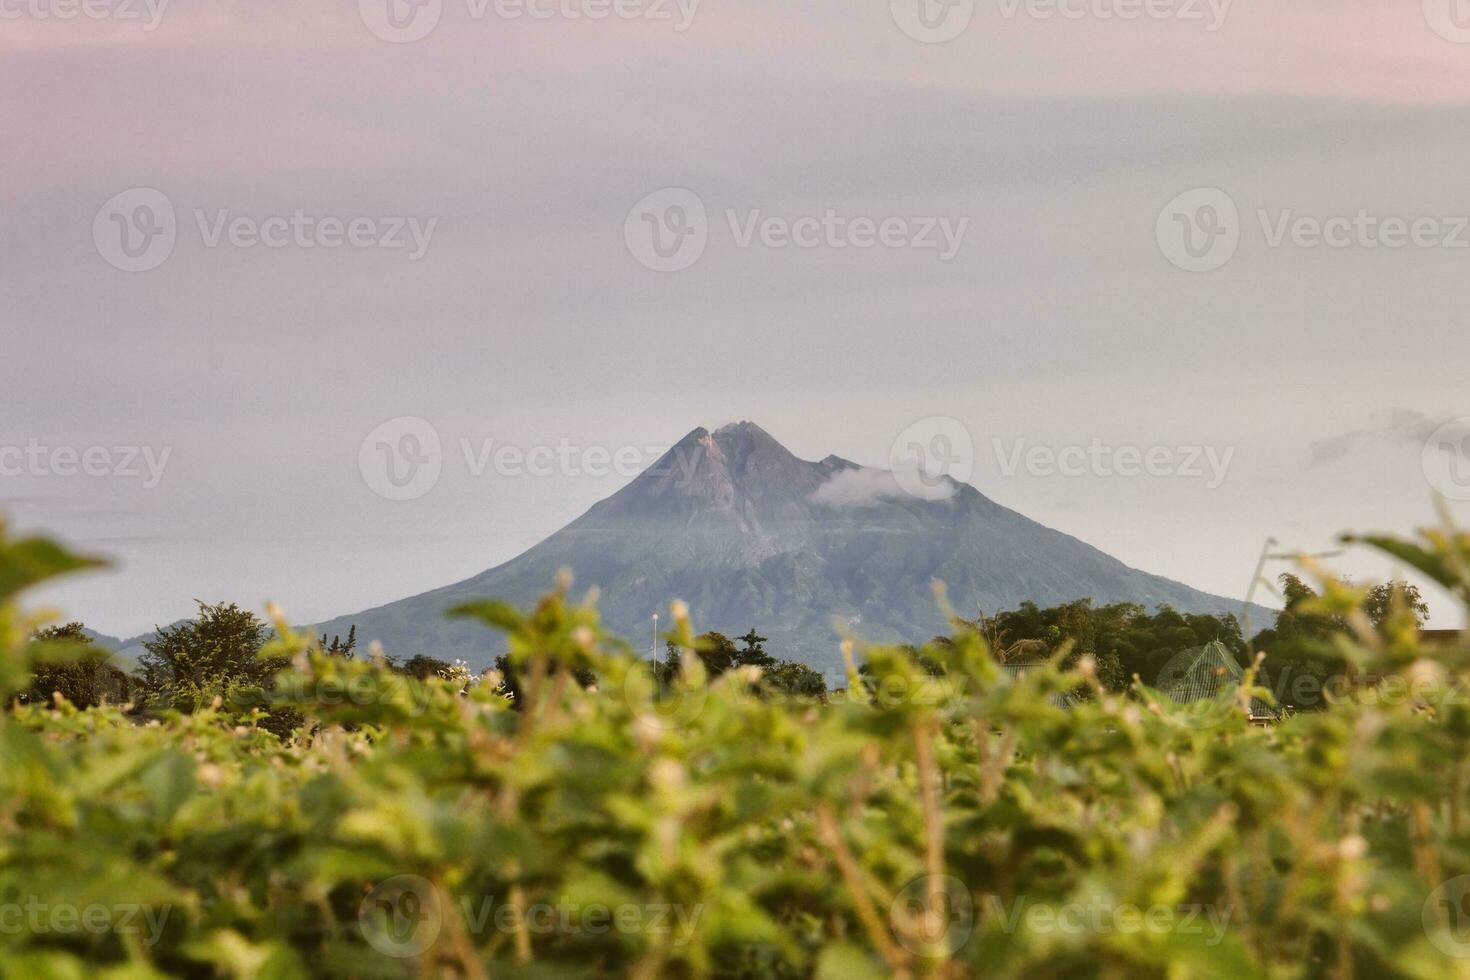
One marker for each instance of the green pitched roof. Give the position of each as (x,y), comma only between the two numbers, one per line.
(1061,699)
(1203,673)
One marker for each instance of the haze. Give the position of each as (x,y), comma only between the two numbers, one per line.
(528,320)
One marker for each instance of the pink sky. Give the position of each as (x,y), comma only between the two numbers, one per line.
(528,321)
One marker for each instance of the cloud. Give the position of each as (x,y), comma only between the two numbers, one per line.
(858,488)
(867,486)
(1389,428)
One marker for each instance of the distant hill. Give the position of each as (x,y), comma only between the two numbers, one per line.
(751,536)
(126,651)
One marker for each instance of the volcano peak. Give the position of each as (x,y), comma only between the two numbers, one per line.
(733,523)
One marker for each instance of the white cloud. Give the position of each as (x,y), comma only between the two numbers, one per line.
(1391,427)
(858,488)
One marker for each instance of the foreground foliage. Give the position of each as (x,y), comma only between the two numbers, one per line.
(941,818)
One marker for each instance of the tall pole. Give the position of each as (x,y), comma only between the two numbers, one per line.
(1245,608)
(1259,579)
(655,645)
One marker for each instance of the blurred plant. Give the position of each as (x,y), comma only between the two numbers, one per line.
(77,670)
(945,818)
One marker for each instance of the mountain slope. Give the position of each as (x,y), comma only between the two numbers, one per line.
(751,536)
(126,651)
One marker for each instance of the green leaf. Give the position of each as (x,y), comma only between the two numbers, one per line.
(169,782)
(848,962)
(499,615)
(1446,561)
(31,561)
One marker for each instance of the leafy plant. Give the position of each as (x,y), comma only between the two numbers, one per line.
(71,666)
(944,818)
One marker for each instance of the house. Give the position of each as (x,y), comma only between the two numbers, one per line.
(1203,673)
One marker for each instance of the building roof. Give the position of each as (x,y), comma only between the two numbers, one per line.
(1203,673)
(1061,699)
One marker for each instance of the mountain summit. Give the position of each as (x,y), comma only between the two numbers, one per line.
(750,535)
(738,469)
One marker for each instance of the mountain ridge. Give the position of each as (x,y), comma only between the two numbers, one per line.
(750,535)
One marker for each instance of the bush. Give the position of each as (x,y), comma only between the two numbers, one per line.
(75,670)
(425,827)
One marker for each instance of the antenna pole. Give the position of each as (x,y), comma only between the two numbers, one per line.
(1245,607)
(1259,579)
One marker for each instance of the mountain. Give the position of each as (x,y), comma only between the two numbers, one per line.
(126,651)
(751,536)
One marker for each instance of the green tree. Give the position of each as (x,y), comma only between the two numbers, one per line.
(216,654)
(510,678)
(84,675)
(1302,647)
(753,654)
(716,651)
(793,679)
(719,655)
(1390,597)
(346,649)
(421,667)
(1123,638)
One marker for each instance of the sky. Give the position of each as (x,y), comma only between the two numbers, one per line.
(329,303)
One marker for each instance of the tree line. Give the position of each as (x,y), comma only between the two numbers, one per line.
(218,653)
